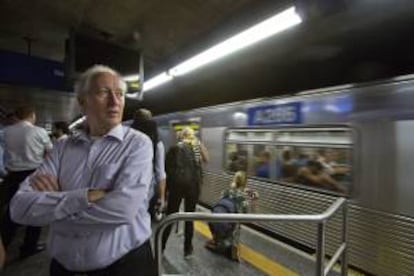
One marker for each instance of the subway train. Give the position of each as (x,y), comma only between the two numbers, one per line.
(360,137)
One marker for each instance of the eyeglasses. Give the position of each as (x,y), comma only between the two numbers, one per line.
(105,92)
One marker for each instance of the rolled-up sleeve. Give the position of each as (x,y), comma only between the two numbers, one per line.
(160,163)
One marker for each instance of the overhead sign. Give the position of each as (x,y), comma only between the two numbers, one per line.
(21,69)
(275,114)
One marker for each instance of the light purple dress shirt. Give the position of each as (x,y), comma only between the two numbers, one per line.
(86,236)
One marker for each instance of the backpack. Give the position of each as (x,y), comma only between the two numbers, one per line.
(222,230)
(181,165)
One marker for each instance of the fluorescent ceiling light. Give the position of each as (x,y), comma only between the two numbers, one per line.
(131,78)
(265,29)
(156,81)
(337,88)
(132,95)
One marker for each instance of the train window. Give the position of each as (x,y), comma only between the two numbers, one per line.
(314,157)
(237,135)
(314,136)
(236,157)
(319,167)
(261,161)
(261,136)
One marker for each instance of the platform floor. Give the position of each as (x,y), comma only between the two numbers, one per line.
(34,265)
(203,262)
(260,255)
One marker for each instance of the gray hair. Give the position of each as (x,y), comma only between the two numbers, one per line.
(82,85)
(142,114)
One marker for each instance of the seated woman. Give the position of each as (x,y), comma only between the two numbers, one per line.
(237,199)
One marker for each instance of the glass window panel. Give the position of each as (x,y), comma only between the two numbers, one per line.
(318,167)
(262,161)
(261,136)
(328,137)
(237,135)
(236,157)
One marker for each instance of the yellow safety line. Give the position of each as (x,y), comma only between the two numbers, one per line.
(251,256)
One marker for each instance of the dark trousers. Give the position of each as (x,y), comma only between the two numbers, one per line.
(9,227)
(139,261)
(190,194)
(153,203)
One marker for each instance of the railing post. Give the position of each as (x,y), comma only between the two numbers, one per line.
(320,249)
(158,244)
(344,259)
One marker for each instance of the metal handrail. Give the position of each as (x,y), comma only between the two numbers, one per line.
(319,218)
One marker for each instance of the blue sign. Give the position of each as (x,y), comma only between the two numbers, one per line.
(275,114)
(16,68)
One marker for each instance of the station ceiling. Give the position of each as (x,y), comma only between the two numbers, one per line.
(349,41)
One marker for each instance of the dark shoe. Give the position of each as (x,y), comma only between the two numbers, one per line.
(234,253)
(211,245)
(188,251)
(27,253)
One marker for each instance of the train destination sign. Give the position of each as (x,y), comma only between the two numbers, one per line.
(289,113)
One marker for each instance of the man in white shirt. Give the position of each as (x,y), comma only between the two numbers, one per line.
(25,148)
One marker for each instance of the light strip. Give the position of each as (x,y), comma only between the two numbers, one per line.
(77,122)
(156,81)
(273,25)
(131,78)
(132,95)
(265,29)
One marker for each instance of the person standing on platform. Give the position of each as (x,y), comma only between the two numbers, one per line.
(184,176)
(144,123)
(93,189)
(25,148)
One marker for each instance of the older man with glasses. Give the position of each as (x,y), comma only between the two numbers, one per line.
(93,189)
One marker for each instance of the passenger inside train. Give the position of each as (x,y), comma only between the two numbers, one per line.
(289,166)
(263,164)
(237,161)
(313,175)
(329,158)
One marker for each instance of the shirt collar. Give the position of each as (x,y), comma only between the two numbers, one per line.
(116,132)
(24,122)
